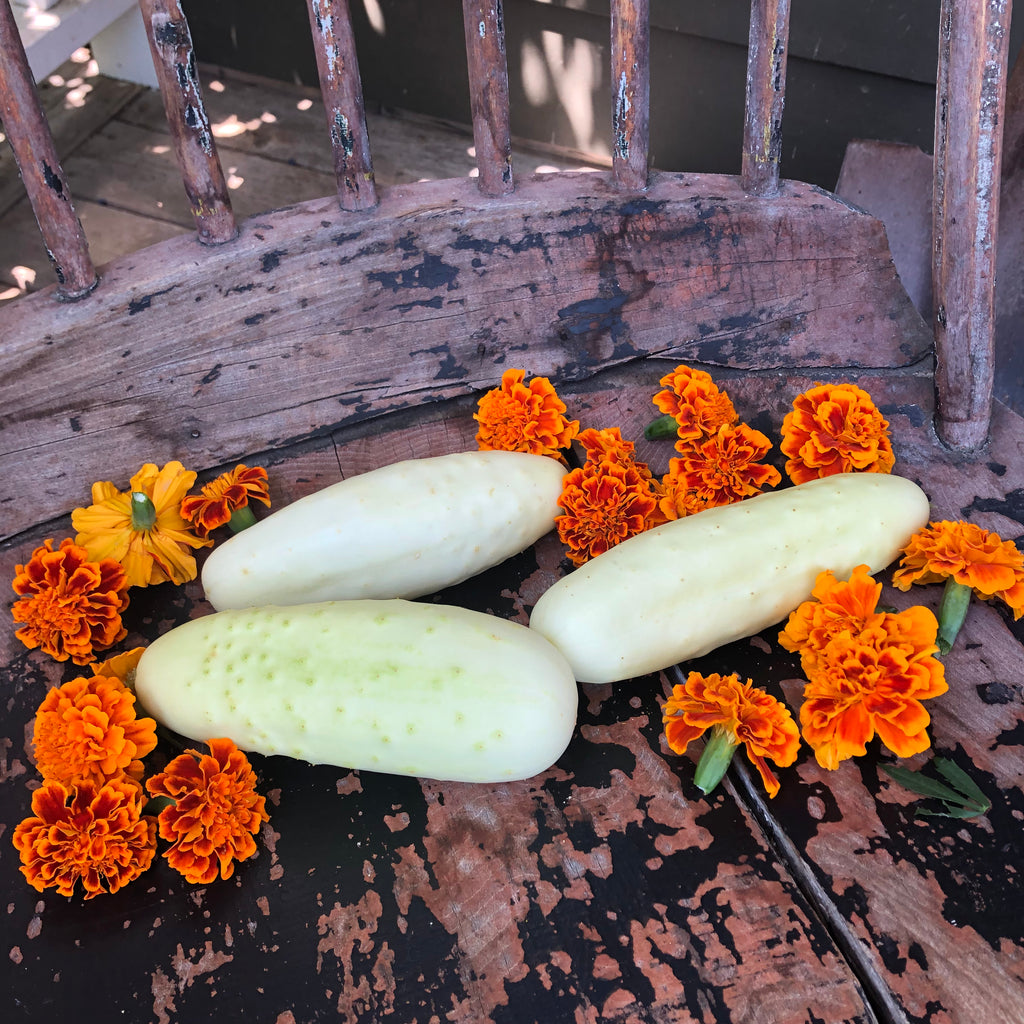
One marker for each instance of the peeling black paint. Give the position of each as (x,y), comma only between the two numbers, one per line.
(256,318)
(145,301)
(212,375)
(272,260)
(54,181)
(431,272)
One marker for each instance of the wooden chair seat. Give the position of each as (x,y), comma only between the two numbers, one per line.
(338,334)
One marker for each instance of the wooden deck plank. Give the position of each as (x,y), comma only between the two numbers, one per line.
(605,889)
(112,233)
(78,100)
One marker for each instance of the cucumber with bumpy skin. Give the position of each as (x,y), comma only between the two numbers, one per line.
(394,686)
(404,530)
(685,588)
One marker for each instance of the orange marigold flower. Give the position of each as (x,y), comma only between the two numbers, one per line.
(89,833)
(216,811)
(608,445)
(971,556)
(520,417)
(835,428)
(120,666)
(836,606)
(739,712)
(604,503)
(212,508)
(721,469)
(142,527)
(868,685)
(87,729)
(693,399)
(71,606)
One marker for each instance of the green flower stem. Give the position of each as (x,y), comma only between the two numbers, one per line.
(661,428)
(241,519)
(143,511)
(956,599)
(715,759)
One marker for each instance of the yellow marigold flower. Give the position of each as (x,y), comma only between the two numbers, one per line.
(867,685)
(142,528)
(87,729)
(835,428)
(221,498)
(737,713)
(718,470)
(88,833)
(693,399)
(604,503)
(518,417)
(71,606)
(216,811)
(969,555)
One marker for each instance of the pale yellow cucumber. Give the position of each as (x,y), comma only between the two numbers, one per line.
(404,530)
(682,589)
(394,686)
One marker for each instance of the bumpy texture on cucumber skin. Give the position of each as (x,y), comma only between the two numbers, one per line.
(694,584)
(404,530)
(402,687)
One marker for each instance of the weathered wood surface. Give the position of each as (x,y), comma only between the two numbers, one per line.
(174,60)
(484,27)
(331,24)
(767,55)
(116,149)
(631,92)
(249,345)
(928,909)
(972,75)
(605,889)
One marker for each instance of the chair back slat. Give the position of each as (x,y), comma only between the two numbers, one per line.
(630,71)
(170,42)
(766,95)
(36,155)
(971,101)
(488,92)
(342,91)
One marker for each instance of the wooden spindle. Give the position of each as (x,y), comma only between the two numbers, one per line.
(766,95)
(342,90)
(969,109)
(36,155)
(631,79)
(170,42)
(488,94)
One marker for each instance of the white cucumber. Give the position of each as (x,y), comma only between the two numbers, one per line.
(404,530)
(685,588)
(393,686)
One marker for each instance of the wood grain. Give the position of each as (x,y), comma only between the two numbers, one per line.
(218,351)
(170,42)
(972,74)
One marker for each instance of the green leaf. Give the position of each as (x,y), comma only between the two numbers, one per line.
(965,800)
(957,777)
(922,784)
(950,812)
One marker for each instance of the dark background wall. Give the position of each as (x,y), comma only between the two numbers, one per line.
(857,69)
